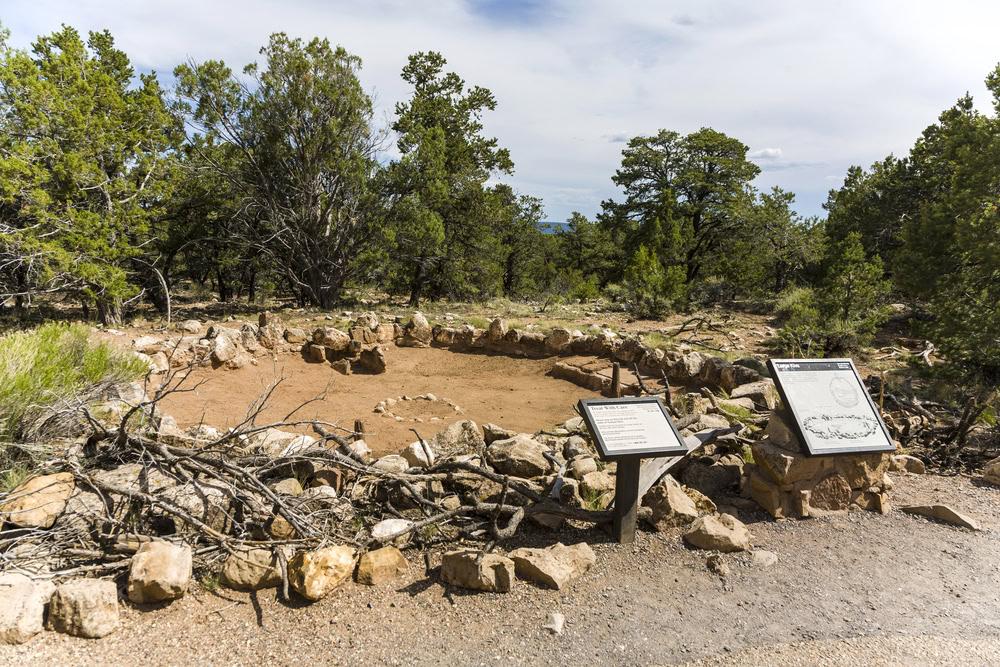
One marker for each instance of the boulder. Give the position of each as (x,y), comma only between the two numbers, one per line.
(296,336)
(190,326)
(332,339)
(670,505)
(270,442)
(991,472)
(711,371)
(734,376)
(417,333)
(779,433)
(581,466)
(786,467)
(385,333)
(148,345)
(461,437)
(159,571)
(719,533)
(392,463)
(520,456)
(314,574)
(942,513)
(598,484)
(558,341)
(575,446)
(367,320)
(373,359)
(85,608)
(288,487)
(553,566)
(224,350)
(497,330)
(22,614)
(761,392)
(418,455)
(687,367)
(478,571)
(712,479)
(382,565)
(38,501)
(342,366)
(251,570)
(907,463)
(492,433)
(159,363)
(831,494)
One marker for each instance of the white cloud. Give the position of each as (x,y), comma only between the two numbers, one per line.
(765,154)
(833,84)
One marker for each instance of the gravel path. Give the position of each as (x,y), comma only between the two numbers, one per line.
(860,589)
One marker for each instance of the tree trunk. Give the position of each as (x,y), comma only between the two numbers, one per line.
(224,292)
(109,312)
(419,277)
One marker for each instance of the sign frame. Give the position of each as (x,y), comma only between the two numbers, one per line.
(605,454)
(796,415)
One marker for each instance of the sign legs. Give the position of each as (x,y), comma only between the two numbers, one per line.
(626,499)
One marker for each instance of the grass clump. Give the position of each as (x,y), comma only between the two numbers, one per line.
(43,368)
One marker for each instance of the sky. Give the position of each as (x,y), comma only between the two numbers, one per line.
(810,87)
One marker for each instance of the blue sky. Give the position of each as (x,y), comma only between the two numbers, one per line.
(810,87)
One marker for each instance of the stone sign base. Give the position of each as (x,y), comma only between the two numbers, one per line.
(789,484)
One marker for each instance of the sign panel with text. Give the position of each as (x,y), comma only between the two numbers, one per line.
(830,408)
(624,427)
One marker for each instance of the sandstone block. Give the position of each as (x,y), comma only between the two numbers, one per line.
(492,573)
(722,533)
(159,571)
(38,501)
(314,574)
(554,566)
(382,565)
(85,608)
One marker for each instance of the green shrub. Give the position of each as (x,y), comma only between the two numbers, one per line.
(796,307)
(43,368)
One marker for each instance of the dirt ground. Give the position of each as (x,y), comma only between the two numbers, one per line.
(859,589)
(513,393)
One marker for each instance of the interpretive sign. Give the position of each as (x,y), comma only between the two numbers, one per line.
(830,409)
(631,427)
(627,430)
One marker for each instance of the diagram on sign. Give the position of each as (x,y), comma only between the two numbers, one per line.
(830,405)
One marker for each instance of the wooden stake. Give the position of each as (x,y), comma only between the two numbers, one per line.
(616,380)
(359,428)
(626,499)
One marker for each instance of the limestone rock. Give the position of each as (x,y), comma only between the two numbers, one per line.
(779,433)
(332,339)
(670,505)
(159,571)
(494,573)
(942,513)
(289,487)
(581,466)
(368,320)
(342,366)
(417,333)
(553,566)
(831,494)
(224,349)
(314,574)
(22,613)
(38,501)
(497,330)
(711,479)
(85,608)
(520,456)
(158,363)
(734,376)
(459,438)
(722,533)
(761,393)
(863,470)
(575,446)
(251,570)
(492,433)
(373,359)
(784,466)
(190,326)
(598,484)
(385,333)
(687,367)
(271,442)
(991,472)
(295,336)
(279,528)
(762,558)
(558,340)
(392,463)
(387,527)
(711,421)
(418,455)
(907,463)
(382,565)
